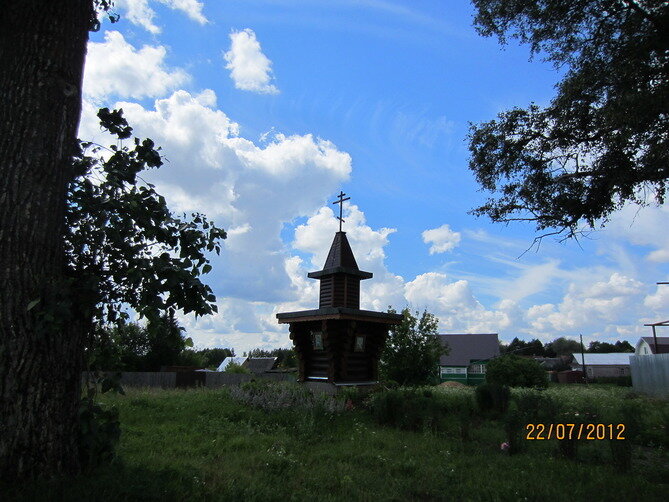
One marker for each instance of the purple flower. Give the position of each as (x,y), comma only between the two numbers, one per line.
(504,446)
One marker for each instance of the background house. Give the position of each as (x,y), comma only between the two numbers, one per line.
(255,365)
(467,357)
(646,346)
(259,365)
(615,364)
(231,360)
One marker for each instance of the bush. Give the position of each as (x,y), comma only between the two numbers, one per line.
(236,368)
(514,426)
(99,432)
(408,409)
(492,398)
(621,381)
(516,371)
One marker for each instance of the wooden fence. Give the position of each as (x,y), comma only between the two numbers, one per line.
(650,374)
(173,379)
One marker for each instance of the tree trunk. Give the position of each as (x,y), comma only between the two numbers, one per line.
(42,51)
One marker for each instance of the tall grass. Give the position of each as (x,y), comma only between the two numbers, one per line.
(213,445)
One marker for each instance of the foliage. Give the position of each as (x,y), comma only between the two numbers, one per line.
(124,246)
(203,445)
(408,409)
(131,347)
(514,427)
(214,357)
(520,347)
(285,357)
(516,371)
(412,351)
(596,347)
(283,395)
(120,347)
(562,347)
(190,357)
(558,347)
(233,367)
(166,342)
(492,398)
(99,432)
(603,139)
(622,381)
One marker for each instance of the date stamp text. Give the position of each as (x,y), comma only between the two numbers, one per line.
(590,432)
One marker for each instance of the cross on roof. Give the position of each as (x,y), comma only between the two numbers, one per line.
(341,207)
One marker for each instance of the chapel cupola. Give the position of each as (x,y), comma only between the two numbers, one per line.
(340,277)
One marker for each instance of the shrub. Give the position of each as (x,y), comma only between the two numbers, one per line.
(621,381)
(236,368)
(516,371)
(408,409)
(514,426)
(99,433)
(537,407)
(461,405)
(492,398)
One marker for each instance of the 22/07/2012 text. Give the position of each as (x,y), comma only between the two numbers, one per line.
(591,432)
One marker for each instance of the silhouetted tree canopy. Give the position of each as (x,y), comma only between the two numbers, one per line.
(603,141)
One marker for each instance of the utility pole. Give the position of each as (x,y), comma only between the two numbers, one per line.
(585,374)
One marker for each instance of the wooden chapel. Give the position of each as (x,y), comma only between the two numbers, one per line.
(338,343)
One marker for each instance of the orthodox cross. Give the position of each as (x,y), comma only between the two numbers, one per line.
(341,207)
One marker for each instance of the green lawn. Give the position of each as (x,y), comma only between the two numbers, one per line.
(205,445)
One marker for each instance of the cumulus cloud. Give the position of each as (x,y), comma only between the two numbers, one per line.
(453,302)
(139,13)
(640,226)
(249,68)
(599,308)
(250,189)
(115,67)
(253,189)
(442,239)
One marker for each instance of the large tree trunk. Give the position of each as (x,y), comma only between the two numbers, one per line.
(42,50)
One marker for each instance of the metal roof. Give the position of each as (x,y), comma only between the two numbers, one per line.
(662,344)
(466,348)
(610,359)
(260,364)
(228,360)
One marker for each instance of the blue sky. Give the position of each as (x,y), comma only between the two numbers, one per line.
(266,109)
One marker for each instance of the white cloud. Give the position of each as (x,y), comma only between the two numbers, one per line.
(599,308)
(115,67)
(641,226)
(442,238)
(139,13)
(454,304)
(250,190)
(249,68)
(192,8)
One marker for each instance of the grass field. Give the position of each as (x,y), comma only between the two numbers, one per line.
(206,445)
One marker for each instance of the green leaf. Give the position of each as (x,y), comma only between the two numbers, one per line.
(32,304)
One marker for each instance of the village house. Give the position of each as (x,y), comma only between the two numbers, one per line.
(646,346)
(256,365)
(467,357)
(614,364)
